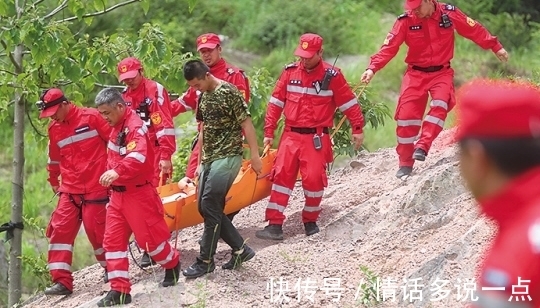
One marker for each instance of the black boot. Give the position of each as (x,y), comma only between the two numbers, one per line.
(171,276)
(114,298)
(419,154)
(57,289)
(270,232)
(106,277)
(146,261)
(311,228)
(199,268)
(238,258)
(403,171)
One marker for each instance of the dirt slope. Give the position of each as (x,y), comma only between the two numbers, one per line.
(425,230)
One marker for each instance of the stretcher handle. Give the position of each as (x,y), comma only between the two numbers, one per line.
(343,118)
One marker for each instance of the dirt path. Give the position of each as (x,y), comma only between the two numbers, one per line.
(422,231)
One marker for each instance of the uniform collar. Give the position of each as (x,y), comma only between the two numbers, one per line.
(513,198)
(318,68)
(140,88)
(71,112)
(220,66)
(122,122)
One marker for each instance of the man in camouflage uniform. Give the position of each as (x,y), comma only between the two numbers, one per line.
(223,114)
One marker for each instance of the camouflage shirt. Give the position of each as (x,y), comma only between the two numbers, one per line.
(222,111)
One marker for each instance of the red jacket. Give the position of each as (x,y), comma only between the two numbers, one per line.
(78,151)
(515,251)
(159,120)
(222,70)
(296,95)
(430,44)
(133,157)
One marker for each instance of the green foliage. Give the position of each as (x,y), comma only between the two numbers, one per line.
(34,262)
(368,291)
(183,150)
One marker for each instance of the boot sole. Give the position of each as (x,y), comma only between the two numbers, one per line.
(265,237)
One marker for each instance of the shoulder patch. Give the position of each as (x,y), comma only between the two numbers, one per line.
(402,16)
(291,65)
(230,70)
(449,7)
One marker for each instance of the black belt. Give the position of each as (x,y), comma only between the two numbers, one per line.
(308,130)
(429,69)
(124,188)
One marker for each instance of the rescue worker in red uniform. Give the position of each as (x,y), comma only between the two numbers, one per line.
(307,93)
(135,205)
(78,155)
(499,139)
(427,28)
(151,102)
(209,48)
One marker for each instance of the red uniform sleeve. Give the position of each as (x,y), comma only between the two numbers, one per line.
(160,115)
(391,45)
(241,82)
(103,128)
(186,102)
(53,163)
(275,105)
(474,31)
(137,150)
(347,103)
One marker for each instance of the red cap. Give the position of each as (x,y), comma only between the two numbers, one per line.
(128,68)
(50,102)
(208,40)
(498,109)
(412,4)
(309,45)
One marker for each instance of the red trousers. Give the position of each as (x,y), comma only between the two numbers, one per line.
(297,152)
(63,228)
(415,88)
(138,210)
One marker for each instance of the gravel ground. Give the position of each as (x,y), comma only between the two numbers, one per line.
(394,239)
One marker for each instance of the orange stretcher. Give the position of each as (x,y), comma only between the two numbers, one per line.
(180,206)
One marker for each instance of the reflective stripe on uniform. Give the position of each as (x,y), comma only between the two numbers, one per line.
(403,140)
(116,255)
(59,266)
(281,189)
(434,120)
(138,156)
(67,247)
(276,102)
(161,97)
(348,105)
(76,138)
(311,91)
(275,206)
(313,194)
(312,208)
(166,132)
(118,274)
(439,103)
(113,147)
(168,259)
(409,122)
(157,250)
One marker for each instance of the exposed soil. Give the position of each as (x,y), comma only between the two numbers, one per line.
(425,229)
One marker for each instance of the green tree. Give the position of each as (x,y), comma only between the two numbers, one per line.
(42,47)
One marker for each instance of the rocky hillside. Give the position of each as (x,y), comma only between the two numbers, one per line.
(420,239)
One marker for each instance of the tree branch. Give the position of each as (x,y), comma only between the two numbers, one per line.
(32,123)
(6,71)
(108,86)
(37,2)
(11,58)
(62,6)
(106,10)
